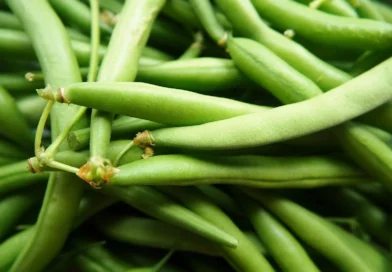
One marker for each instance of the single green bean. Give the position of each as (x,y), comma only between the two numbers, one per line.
(376,193)
(328,29)
(198,74)
(282,245)
(199,263)
(13,126)
(220,198)
(191,108)
(181,11)
(337,7)
(254,171)
(368,60)
(20,180)
(18,84)
(384,9)
(245,257)
(31,107)
(10,150)
(152,233)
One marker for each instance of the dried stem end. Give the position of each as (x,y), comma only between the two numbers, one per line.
(143,139)
(97,171)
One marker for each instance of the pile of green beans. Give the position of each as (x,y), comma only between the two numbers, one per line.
(195,135)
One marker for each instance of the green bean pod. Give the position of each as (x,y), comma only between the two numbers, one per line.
(367,9)
(254,171)
(282,245)
(13,126)
(20,180)
(368,60)
(191,108)
(314,231)
(10,150)
(152,233)
(18,84)
(14,206)
(337,7)
(31,107)
(181,11)
(327,29)
(246,257)
(199,75)
(385,10)
(220,198)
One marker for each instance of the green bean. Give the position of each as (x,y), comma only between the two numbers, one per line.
(376,193)
(7,20)
(85,264)
(337,7)
(343,31)
(283,246)
(21,180)
(324,75)
(372,218)
(198,74)
(16,128)
(152,233)
(366,9)
(14,206)
(154,53)
(245,257)
(64,191)
(385,10)
(17,84)
(77,35)
(199,263)
(156,204)
(77,14)
(254,171)
(191,108)
(111,5)
(314,231)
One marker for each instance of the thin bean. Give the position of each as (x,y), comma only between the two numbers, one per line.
(181,11)
(64,191)
(314,231)
(21,180)
(10,150)
(191,108)
(152,233)
(17,84)
(368,60)
(327,29)
(282,245)
(384,9)
(8,20)
(220,198)
(366,9)
(245,257)
(254,171)
(337,7)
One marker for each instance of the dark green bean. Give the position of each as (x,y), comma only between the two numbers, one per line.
(220,198)
(18,84)
(21,180)
(152,233)
(182,12)
(282,245)
(376,193)
(368,60)
(327,29)
(254,171)
(245,257)
(10,150)
(13,126)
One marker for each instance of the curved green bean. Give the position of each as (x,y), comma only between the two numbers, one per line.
(385,10)
(327,29)
(337,7)
(367,9)
(8,20)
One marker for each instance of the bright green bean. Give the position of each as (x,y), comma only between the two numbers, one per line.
(327,29)
(254,171)
(191,108)
(245,257)
(7,20)
(152,233)
(385,10)
(367,9)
